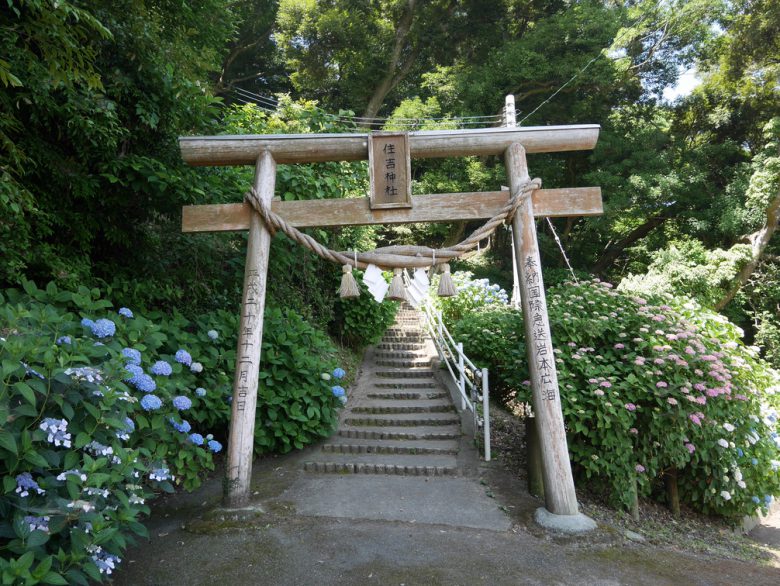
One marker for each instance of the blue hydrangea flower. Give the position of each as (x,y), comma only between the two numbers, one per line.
(161,368)
(196,367)
(338,391)
(125,312)
(151,402)
(145,383)
(74,472)
(160,474)
(182,403)
(64,340)
(87,323)
(103,328)
(755,499)
(37,523)
(124,433)
(754,461)
(105,562)
(740,453)
(215,446)
(132,355)
(212,334)
(196,439)
(183,427)
(338,373)
(57,431)
(183,357)
(25,484)
(134,372)
(200,391)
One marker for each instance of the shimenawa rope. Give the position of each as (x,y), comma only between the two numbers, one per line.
(276,222)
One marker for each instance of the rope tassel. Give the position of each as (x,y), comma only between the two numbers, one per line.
(446,286)
(349,288)
(397,291)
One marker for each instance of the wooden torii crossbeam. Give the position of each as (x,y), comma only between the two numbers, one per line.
(266,151)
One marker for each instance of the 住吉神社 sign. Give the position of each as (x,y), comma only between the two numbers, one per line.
(390,170)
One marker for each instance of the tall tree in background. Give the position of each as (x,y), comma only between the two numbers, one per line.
(354,54)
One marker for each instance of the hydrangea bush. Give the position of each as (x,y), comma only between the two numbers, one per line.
(101,409)
(648,388)
(87,411)
(472,294)
(296,399)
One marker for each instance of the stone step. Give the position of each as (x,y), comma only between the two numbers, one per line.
(405,373)
(404,331)
(402,363)
(392,355)
(407,384)
(403,420)
(396,406)
(401,396)
(396,346)
(375,468)
(419,340)
(408,447)
(402,434)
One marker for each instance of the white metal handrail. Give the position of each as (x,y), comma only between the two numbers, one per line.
(468,375)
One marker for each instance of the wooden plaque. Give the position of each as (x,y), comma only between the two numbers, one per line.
(390,170)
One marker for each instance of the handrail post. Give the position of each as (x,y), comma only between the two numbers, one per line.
(486,412)
(462,381)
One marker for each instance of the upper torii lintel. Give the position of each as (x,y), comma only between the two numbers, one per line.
(317,148)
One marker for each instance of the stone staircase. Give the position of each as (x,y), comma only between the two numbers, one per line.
(399,419)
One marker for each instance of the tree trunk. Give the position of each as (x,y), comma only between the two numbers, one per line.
(758,242)
(614,251)
(396,69)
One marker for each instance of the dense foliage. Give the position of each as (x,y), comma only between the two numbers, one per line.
(100,409)
(648,387)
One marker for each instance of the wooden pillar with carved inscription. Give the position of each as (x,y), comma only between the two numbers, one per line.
(250,338)
(559,495)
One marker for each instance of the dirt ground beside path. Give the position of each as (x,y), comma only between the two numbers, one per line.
(193,543)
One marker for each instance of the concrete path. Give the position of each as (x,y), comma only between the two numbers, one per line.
(399,497)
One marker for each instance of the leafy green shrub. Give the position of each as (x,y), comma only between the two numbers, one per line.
(362,321)
(91,413)
(297,400)
(472,294)
(646,388)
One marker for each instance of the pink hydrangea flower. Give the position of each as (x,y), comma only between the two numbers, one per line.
(606,384)
(671,401)
(691,448)
(619,346)
(639,361)
(661,384)
(598,392)
(694,418)
(630,406)
(639,468)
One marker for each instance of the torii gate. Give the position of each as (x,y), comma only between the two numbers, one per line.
(266,151)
